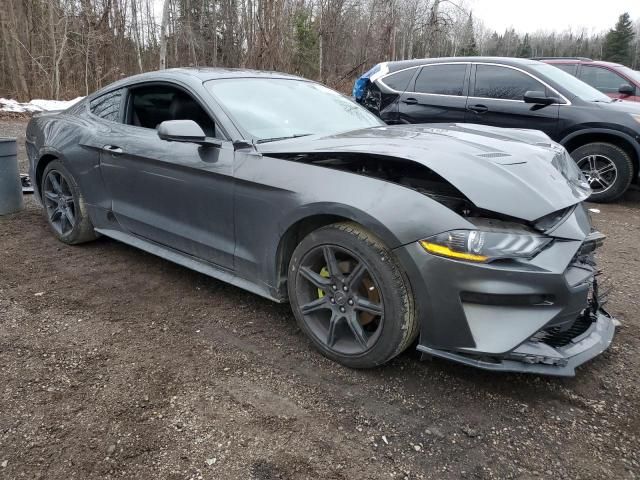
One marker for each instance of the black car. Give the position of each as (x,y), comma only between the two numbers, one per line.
(602,134)
(376,235)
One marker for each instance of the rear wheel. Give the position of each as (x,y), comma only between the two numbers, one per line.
(350,296)
(64,205)
(607,168)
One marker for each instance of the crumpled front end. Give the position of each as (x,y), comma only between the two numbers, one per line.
(540,315)
(554,350)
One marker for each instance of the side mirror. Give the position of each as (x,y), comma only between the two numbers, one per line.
(539,98)
(186,131)
(626,89)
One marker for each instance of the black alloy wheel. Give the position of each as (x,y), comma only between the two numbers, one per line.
(341,301)
(64,205)
(59,202)
(350,296)
(607,168)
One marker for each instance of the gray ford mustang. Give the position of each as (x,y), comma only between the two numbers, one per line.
(472,240)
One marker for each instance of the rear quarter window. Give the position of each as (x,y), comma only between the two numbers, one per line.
(107,106)
(399,81)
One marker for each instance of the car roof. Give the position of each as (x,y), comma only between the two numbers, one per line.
(583,61)
(199,74)
(401,64)
(212,73)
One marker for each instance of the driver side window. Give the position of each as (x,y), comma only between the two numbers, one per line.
(149,106)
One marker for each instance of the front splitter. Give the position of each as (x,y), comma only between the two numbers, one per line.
(559,361)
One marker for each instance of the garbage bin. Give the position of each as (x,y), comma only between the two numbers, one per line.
(10,185)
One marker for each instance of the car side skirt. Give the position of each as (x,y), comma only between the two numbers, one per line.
(188,261)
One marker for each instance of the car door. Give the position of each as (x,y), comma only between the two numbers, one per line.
(605,80)
(386,93)
(438,95)
(496,99)
(173,193)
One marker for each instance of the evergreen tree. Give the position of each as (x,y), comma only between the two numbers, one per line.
(524,48)
(618,43)
(469,47)
(491,46)
(305,55)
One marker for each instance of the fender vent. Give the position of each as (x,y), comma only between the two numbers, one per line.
(494,155)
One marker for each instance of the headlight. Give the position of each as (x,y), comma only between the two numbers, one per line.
(483,246)
(567,167)
(635,117)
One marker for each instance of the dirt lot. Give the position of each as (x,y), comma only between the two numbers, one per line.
(117,364)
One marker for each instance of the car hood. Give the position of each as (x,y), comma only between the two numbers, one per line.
(622,106)
(508,171)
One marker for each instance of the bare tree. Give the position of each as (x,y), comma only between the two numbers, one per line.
(136,33)
(63,48)
(163,34)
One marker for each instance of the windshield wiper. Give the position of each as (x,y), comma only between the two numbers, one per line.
(275,139)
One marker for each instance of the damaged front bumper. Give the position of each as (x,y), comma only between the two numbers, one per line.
(541,315)
(536,356)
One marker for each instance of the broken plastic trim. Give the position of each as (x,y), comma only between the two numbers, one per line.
(539,358)
(547,352)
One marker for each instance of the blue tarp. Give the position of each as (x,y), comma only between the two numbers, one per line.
(361,83)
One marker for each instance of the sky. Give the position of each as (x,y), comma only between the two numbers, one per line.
(552,15)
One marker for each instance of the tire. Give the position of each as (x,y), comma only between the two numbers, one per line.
(382,303)
(594,159)
(64,206)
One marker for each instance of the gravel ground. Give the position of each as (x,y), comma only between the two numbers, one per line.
(117,364)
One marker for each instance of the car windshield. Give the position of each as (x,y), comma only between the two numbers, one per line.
(272,109)
(633,74)
(570,83)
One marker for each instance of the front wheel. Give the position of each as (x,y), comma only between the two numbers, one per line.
(350,296)
(607,168)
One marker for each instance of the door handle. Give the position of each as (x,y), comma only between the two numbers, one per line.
(410,101)
(478,108)
(113,149)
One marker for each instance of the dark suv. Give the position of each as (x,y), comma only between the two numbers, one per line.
(612,79)
(602,135)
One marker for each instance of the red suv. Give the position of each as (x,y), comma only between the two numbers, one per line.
(612,79)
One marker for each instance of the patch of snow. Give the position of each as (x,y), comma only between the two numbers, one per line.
(37,105)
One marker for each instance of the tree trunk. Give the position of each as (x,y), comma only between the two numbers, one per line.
(11,38)
(432,29)
(55,85)
(136,33)
(58,59)
(163,35)
(321,44)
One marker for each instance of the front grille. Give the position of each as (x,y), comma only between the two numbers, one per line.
(562,336)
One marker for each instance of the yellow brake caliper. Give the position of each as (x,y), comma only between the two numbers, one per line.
(323,273)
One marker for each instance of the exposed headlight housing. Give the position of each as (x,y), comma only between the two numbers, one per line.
(567,167)
(484,246)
